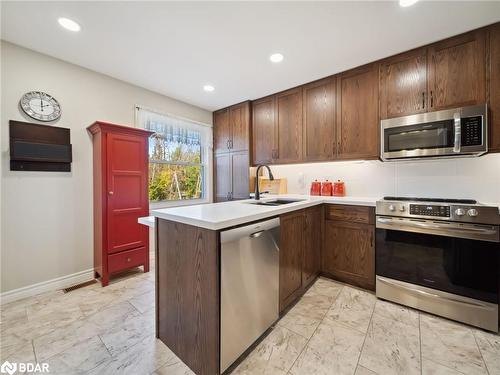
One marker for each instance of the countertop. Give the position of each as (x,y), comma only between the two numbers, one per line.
(216,216)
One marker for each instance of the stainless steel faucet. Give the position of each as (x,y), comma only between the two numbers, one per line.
(271,177)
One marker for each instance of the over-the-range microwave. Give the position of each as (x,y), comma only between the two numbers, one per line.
(448,133)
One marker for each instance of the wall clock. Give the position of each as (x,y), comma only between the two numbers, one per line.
(40,106)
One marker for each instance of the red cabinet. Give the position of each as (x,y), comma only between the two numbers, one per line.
(120,198)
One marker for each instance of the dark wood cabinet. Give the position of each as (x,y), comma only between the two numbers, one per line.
(120,158)
(231,176)
(319,120)
(348,251)
(239,120)
(457,71)
(357,113)
(263,130)
(221,131)
(288,126)
(494,89)
(403,84)
(222,177)
(311,263)
(292,227)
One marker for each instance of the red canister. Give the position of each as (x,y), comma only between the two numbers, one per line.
(339,189)
(315,188)
(326,188)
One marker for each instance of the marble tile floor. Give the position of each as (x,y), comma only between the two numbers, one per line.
(334,329)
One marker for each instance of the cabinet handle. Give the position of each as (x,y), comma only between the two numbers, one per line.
(423,100)
(129,260)
(432,99)
(110,193)
(371,240)
(231,143)
(227,144)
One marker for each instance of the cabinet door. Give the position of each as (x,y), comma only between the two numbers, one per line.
(127,195)
(319,120)
(348,253)
(312,248)
(291,246)
(403,84)
(289,126)
(357,114)
(457,71)
(494,120)
(263,130)
(239,119)
(240,169)
(222,176)
(222,131)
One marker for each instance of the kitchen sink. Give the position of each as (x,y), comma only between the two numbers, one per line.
(275,202)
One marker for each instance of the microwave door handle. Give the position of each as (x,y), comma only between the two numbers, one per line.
(458,132)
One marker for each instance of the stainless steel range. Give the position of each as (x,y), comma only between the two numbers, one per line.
(440,256)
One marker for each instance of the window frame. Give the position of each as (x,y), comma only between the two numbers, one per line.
(206,164)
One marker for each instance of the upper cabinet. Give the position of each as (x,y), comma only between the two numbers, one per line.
(289,126)
(494,78)
(221,131)
(357,113)
(318,135)
(232,128)
(263,134)
(457,71)
(403,84)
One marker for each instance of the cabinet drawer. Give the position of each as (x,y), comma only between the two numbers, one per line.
(355,214)
(127,259)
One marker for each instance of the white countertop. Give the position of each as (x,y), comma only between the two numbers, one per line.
(222,215)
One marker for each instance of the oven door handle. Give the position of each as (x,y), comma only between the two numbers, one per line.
(458,132)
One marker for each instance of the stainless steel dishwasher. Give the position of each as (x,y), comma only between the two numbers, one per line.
(249,286)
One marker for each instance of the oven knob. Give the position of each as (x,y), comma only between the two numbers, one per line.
(459,212)
(472,212)
(392,208)
(402,208)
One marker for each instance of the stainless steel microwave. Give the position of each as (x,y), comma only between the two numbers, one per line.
(452,132)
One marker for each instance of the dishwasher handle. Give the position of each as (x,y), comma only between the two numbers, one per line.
(253,230)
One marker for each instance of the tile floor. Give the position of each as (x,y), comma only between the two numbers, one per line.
(333,329)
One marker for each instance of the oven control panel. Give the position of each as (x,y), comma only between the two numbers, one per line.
(472,131)
(429,210)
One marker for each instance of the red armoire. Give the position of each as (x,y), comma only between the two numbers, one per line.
(120,198)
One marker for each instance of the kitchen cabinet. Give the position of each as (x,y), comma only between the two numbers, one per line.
(231,134)
(311,263)
(457,71)
(403,84)
(494,88)
(263,130)
(288,126)
(319,120)
(120,158)
(357,113)
(348,250)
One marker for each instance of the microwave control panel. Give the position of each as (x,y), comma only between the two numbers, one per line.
(429,210)
(472,131)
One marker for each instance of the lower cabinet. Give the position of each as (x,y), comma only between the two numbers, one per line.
(231,176)
(312,245)
(349,250)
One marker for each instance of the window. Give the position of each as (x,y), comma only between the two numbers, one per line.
(178,157)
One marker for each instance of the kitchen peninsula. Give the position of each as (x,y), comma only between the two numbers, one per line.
(311,235)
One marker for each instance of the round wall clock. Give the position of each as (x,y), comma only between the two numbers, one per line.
(40,106)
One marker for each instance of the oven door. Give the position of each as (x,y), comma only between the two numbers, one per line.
(461,259)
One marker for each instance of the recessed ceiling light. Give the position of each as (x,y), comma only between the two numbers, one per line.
(276,57)
(208,88)
(407,3)
(69,24)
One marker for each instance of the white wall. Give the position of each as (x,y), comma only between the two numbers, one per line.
(47,217)
(477,178)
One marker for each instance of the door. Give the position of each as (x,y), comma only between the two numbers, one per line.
(222,176)
(289,126)
(240,170)
(494,89)
(357,114)
(263,134)
(319,120)
(403,84)
(291,246)
(222,131)
(312,249)
(127,196)
(348,253)
(239,119)
(457,68)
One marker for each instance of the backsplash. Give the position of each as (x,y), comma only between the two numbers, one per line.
(476,178)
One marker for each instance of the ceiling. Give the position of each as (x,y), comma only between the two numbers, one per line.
(174,48)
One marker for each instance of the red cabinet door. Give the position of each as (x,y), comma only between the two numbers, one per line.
(127,196)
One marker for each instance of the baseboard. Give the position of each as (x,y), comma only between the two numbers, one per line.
(47,286)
